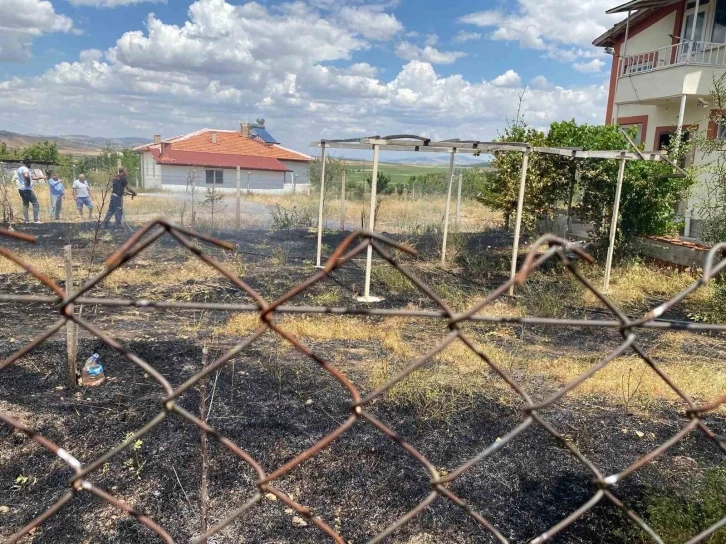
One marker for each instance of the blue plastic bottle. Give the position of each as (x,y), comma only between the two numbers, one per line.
(92,373)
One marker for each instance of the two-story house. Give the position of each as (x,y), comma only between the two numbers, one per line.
(666,54)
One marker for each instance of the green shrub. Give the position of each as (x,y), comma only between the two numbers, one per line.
(678,519)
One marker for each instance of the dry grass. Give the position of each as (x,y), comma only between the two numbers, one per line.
(397,214)
(455,378)
(635,285)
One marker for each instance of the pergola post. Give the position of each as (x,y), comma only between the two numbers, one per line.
(371,225)
(518,220)
(322,200)
(614,224)
(458,203)
(238,210)
(448,207)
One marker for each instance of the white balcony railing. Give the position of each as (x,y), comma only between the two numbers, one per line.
(684,52)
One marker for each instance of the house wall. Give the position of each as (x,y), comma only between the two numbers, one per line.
(300,169)
(653,37)
(664,118)
(177,177)
(150,171)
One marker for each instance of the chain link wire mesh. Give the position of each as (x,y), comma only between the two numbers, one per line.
(543,250)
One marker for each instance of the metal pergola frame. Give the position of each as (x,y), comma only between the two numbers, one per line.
(418,144)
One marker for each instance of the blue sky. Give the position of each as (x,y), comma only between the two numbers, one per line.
(312,68)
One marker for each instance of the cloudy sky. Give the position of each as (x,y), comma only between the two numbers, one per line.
(311,68)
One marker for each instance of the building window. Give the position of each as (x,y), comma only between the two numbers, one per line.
(721,131)
(215,176)
(638,135)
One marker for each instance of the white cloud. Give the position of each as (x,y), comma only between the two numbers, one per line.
(112,3)
(594,66)
(23,20)
(510,78)
(464,36)
(409,51)
(548,25)
(370,22)
(228,63)
(431,39)
(540,83)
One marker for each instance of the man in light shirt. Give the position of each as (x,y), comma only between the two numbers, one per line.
(82,195)
(57,190)
(25,180)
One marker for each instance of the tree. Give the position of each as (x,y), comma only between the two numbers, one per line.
(383,183)
(334,169)
(501,191)
(712,171)
(42,151)
(650,190)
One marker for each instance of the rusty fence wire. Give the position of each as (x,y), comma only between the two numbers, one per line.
(544,249)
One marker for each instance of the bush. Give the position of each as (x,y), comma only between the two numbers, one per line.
(678,519)
(289,219)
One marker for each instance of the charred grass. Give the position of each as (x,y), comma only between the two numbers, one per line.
(274,401)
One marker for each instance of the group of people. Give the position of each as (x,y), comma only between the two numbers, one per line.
(81,194)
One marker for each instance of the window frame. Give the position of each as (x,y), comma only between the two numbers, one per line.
(217,176)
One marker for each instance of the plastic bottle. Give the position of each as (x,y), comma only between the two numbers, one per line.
(92,373)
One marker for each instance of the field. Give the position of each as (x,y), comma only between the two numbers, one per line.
(275,402)
(399,173)
(396,214)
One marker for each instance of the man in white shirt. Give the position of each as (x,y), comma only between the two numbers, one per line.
(82,195)
(26,182)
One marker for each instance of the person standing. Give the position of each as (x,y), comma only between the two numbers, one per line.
(57,190)
(26,183)
(82,195)
(120,186)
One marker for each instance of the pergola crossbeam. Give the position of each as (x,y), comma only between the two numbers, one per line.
(475,147)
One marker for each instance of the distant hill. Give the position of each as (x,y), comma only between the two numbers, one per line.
(74,144)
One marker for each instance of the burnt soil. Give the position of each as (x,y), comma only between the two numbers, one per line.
(275,404)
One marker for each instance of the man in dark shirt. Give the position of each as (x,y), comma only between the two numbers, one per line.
(116,205)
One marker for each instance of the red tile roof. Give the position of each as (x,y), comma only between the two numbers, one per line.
(216,160)
(228,142)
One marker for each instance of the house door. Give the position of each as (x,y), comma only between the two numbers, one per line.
(687,53)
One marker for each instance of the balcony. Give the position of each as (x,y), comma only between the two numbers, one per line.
(683,68)
(679,54)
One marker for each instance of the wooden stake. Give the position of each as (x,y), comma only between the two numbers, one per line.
(71,329)
(204,491)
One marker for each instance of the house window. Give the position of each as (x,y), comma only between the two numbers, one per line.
(215,176)
(721,131)
(639,134)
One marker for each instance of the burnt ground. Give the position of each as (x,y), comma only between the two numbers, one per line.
(362,482)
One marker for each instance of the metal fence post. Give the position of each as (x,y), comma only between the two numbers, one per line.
(238,218)
(371,225)
(342,202)
(614,223)
(458,203)
(320,206)
(448,207)
(518,221)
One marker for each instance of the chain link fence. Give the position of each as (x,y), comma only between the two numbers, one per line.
(533,413)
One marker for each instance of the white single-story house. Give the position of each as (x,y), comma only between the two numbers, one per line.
(211,157)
